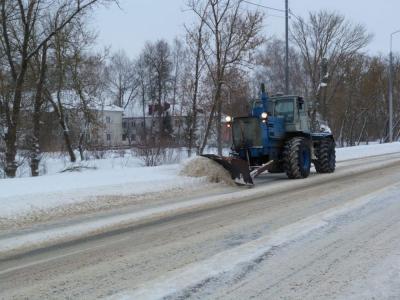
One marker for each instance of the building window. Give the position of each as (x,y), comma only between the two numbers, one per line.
(124,124)
(133,137)
(134,124)
(124,137)
(108,120)
(108,137)
(142,124)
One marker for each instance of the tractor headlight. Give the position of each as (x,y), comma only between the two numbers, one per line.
(264,115)
(228,119)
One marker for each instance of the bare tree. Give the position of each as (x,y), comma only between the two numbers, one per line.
(232,34)
(20,22)
(121,81)
(271,68)
(41,69)
(157,57)
(75,90)
(142,78)
(87,81)
(194,40)
(327,35)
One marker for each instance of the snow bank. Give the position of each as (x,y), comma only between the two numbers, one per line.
(30,197)
(67,232)
(121,176)
(204,167)
(366,151)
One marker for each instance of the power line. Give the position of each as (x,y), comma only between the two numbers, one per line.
(286,12)
(263,6)
(294,15)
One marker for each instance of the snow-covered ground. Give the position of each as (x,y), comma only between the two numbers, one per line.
(332,236)
(114,176)
(191,279)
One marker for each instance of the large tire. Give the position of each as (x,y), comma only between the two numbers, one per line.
(297,158)
(325,156)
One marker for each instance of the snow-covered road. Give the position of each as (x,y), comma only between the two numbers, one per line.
(60,196)
(332,236)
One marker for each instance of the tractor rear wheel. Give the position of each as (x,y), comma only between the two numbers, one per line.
(297,158)
(326,156)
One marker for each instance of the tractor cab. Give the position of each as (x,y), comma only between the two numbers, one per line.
(270,121)
(293,110)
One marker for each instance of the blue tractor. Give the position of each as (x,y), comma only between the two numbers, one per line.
(279,136)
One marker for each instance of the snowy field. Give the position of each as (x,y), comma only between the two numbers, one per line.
(113,176)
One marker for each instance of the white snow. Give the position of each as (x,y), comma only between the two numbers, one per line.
(348,153)
(148,181)
(204,167)
(223,263)
(323,84)
(22,196)
(381,282)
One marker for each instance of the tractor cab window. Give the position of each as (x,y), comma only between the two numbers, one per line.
(285,108)
(258,105)
(246,132)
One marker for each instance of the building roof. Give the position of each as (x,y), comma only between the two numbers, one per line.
(71,100)
(112,107)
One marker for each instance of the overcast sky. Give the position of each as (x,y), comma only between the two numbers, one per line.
(137,21)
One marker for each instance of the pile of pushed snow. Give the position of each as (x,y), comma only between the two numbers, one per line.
(204,167)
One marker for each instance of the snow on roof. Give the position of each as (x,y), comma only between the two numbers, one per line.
(70,99)
(112,107)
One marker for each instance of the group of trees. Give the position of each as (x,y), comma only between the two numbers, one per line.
(42,54)
(353,96)
(213,70)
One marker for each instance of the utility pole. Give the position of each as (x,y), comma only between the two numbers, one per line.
(391,97)
(286,11)
(391,87)
(287,48)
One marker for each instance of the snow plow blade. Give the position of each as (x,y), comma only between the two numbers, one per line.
(238,168)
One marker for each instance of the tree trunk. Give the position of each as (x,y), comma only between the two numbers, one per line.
(219,126)
(11,152)
(13,122)
(35,150)
(67,140)
(193,122)
(144,115)
(81,147)
(211,118)
(61,120)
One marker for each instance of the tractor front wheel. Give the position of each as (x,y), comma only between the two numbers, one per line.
(297,158)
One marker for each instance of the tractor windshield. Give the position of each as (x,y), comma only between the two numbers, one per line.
(285,108)
(246,132)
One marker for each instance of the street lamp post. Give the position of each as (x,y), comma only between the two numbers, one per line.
(287,47)
(286,11)
(391,86)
